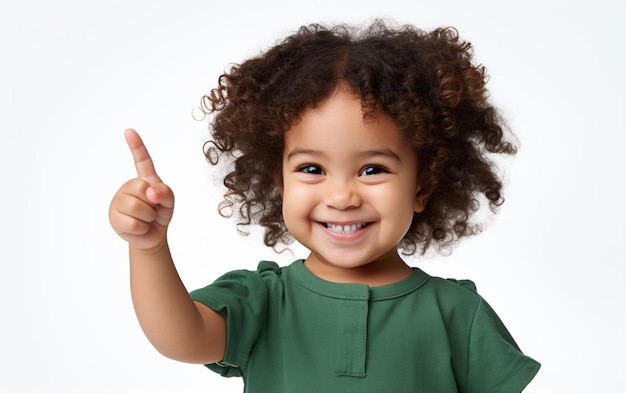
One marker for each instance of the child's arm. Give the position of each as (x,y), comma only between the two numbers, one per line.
(140,213)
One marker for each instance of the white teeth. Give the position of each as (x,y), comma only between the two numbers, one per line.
(345,229)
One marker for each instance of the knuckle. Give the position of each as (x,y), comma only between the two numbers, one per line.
(134,205)
(136,226)
(136,186)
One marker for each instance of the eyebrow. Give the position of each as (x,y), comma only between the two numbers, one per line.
(383,152)
(366,154)
(306,152)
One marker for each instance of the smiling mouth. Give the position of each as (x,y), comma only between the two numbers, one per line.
(344,229)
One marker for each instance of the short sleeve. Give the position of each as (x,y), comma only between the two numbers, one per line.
(241,298)
(496,363)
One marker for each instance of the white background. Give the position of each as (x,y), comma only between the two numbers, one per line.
(75,74)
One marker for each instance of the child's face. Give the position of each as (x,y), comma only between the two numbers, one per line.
(349,186)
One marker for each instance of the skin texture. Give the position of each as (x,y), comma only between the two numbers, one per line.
(350,188)
(140,213)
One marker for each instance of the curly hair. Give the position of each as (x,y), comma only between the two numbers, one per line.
(425,81)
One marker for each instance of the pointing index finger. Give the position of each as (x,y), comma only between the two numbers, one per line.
(143,161)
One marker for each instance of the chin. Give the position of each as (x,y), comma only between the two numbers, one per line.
(344,261)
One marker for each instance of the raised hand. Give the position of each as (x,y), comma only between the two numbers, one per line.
(142,208)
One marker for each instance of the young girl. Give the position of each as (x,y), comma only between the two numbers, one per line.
(358,144)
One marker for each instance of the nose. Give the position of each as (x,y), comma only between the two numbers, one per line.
(342,194)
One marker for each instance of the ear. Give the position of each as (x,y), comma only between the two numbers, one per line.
(421,199)
(278,181)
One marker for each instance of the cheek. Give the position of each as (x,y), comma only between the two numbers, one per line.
(397,203)
(295,216)
(295,202)
(396,198)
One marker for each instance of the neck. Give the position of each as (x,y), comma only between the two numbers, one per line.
(376,273)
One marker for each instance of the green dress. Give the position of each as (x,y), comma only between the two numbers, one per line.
(290,331)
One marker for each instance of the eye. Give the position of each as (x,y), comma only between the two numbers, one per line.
(311,169)
(372,170)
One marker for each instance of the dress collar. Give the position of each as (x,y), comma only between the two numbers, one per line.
(356,291)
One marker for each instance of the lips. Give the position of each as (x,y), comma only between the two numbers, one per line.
(344,229)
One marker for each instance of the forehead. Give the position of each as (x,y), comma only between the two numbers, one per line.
(337,124)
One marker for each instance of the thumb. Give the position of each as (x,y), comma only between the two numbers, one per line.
(163,198)
(160,194)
